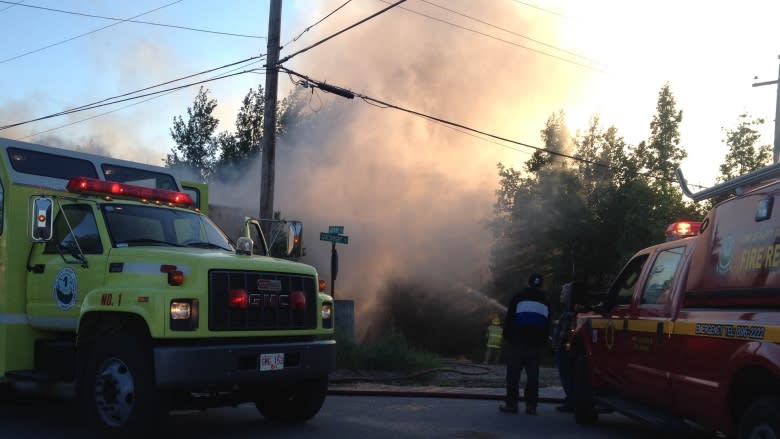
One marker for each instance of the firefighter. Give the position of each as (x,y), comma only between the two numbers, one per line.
(493,334)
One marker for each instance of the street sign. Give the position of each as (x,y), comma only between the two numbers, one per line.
(340,239)
(336,230)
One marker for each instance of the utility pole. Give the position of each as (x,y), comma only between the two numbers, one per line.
(776,155)
(269,112)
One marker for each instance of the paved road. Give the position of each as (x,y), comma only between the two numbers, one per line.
(341,416)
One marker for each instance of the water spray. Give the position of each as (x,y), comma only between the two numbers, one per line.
(484,297)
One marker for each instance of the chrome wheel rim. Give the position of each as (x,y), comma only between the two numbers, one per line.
(114,392)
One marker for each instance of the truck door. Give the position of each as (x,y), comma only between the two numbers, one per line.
(650,328)
(611,343)
(61,274)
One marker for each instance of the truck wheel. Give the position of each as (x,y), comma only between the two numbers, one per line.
(761,420)
(7,393)
(118,387)
(294,403)
(584,409)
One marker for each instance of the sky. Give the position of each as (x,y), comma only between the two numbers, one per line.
(414,196)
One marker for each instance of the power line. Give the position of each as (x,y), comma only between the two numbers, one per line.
(315,24)
(131,21)
(87,33)
(288,57)
(512,32)
(374,101)
(103,104)
(70,110)
(12,5)
(121,108)
(541,52)
(542,9)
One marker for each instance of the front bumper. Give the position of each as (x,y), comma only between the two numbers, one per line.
(207,366)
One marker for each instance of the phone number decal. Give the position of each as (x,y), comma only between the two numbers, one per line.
(731,331)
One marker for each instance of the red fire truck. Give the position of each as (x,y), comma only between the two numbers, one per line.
(690,329)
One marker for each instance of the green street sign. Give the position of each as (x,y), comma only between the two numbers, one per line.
(336,230)
(339,239)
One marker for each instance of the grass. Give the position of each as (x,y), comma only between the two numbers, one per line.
(391,353)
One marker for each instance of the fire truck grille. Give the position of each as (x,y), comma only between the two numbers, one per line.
(254,301)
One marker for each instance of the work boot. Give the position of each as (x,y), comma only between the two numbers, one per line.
(508,408)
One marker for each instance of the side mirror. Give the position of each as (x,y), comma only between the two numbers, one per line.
(42,222)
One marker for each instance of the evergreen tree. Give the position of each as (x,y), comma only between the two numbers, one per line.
(662,154)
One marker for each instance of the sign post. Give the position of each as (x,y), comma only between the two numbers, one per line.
(335,236)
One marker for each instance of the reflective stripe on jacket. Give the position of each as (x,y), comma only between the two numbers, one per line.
(494,336)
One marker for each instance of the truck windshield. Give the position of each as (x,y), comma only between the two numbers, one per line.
(132,225)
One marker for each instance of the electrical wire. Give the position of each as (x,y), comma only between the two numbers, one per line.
(540,52)
(288,57)
(132,21)
(123,107)
(70,110)
(12,5)
(542,9)
(591,60)
(120,108)
(374,101)
(86,33)
(315,24)
(103,104)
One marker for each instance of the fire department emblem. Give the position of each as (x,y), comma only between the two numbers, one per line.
(725,255)
(66,288)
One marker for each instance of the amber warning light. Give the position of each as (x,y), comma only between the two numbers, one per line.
(682,229)
(86,185)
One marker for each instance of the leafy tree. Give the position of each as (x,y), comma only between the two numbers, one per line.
(198,148)
(556,138)
(194,143)
(584,218)
(743,155)
(539,213)
(249,129)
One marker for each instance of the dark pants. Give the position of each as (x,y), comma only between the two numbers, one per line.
(521,357)
(566,372)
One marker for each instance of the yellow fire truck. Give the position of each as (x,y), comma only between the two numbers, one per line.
(111,280)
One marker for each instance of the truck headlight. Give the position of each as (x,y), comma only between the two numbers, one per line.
(181,310)
(327,314)
(184,314)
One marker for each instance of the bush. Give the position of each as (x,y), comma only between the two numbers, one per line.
(391,353)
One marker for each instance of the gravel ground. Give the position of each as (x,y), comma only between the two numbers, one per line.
(451,374)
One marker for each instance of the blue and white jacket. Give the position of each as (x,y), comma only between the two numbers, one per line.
(527,318)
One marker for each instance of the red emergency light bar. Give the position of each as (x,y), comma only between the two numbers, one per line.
(682,229)
(85,185)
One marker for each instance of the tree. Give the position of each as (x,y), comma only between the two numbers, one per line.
(249,129)
(659,157)
(199,149)
(662,154)
(556,138)
(195,146)
(584,218)
(743,155)
(539,213)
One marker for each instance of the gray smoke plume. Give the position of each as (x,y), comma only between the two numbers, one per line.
(414,196)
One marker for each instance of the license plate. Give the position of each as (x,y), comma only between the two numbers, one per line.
(272,361)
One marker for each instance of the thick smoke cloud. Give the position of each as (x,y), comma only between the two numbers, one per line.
(414,196)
